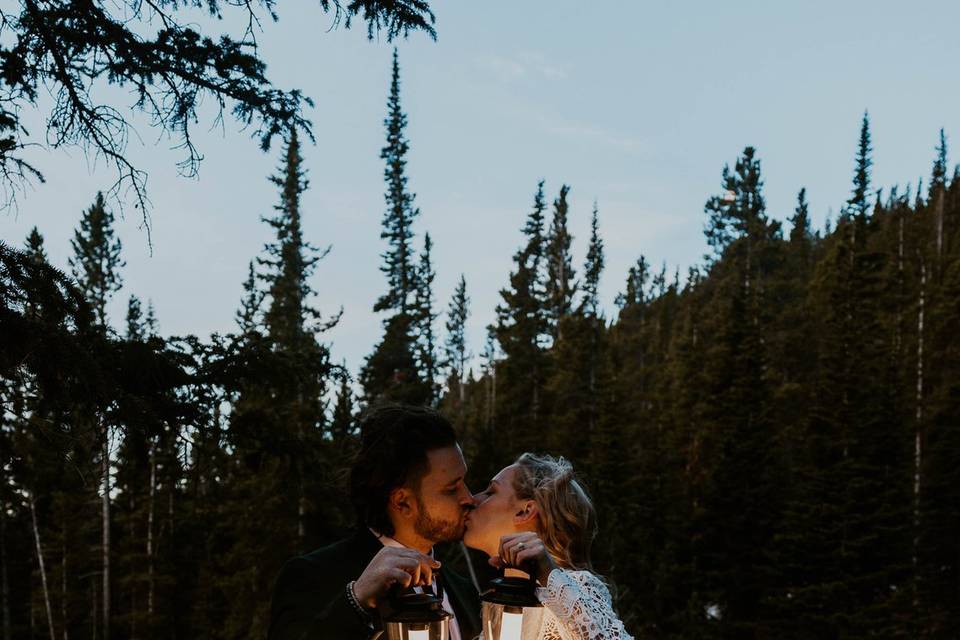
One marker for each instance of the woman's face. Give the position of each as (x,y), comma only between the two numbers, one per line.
(498,513)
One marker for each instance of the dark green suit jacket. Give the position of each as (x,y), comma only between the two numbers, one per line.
(310,600)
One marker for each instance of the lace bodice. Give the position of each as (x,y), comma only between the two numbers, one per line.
(576,606)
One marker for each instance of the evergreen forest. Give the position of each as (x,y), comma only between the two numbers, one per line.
(772,438)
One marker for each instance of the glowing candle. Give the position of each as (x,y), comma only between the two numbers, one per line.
(510,626)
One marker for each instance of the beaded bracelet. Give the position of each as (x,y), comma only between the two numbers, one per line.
(352,597)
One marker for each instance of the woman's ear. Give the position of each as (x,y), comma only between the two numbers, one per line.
(526,513)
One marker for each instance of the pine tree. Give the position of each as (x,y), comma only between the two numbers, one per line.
(425,318)
(937,195)
(96,259)
(592,269)
(560,283)
(392,371)
(520,330)
(151,324)
(135,324)
(400,214)
(34,246)
(290,319)
(343,424)
(455,346)
(939,492)
(247,316)
(740,495)
(858,204)
(576,384)
(96,266)
(634,292)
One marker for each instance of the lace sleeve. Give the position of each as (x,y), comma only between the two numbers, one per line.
(582,606)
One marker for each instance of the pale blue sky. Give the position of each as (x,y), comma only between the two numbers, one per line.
(635,104)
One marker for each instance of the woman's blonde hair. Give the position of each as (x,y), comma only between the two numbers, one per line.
(568,521)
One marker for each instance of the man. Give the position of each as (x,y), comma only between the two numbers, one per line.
(407,487)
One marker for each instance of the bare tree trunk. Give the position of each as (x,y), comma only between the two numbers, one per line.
(899,338)
(93,609)
(3,567)
(301,497)
(941,196)
(151,506)
(43,570)
(105,513)
(918,434)
(63,580)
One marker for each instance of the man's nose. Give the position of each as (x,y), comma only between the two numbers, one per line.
(470,501)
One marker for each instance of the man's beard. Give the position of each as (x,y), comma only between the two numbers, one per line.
(436,530)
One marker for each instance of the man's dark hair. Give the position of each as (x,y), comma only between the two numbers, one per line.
(394,441)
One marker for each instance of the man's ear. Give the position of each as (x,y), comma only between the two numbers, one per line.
(526,512)
(401,502)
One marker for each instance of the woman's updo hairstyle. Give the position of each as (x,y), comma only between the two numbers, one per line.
(568,521)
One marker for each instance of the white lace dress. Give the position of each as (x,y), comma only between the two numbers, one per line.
(576,606)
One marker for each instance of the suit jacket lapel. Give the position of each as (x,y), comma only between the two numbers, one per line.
(465,603)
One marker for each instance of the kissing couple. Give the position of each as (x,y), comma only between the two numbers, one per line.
(407,488)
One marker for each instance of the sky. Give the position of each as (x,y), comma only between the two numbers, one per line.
(637,105)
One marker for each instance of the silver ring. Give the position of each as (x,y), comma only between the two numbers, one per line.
(520,547)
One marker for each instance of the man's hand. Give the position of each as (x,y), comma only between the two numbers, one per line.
(391,566)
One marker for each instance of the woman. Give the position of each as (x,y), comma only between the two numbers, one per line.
(535,513)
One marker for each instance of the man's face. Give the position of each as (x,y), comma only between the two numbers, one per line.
(443,499)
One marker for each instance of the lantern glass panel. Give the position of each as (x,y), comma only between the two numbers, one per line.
(501,622)
(436,630)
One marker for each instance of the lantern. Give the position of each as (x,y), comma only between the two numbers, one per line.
(409,615)
(503,604)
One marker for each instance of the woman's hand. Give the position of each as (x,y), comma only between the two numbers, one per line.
(519,549)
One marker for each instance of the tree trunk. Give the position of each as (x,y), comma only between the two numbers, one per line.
(105,513)
(93,609)
(301,497)
(63,580)
(151,507)
(899,339)
(941,196)
(3,573)
(43,570)
(918,433)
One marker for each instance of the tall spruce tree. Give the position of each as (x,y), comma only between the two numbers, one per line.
(343,422)
(520,330)
(96,259)
(291,320)
(247,316)
(741,495)
(456,353)
(576,383)
(34,246)
(136,329)
(560,277)
(593,268)
(425,318)
(859,202)
(398,260)
(96,265)
(937,194)
(392,371)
